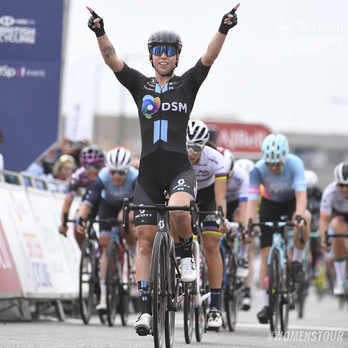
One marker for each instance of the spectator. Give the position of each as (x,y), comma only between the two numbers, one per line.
(64,167)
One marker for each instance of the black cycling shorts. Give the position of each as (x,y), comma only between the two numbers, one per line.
(335,213)
(159,172)
(272,211)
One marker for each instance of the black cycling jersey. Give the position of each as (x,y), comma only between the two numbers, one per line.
(163,115)
(313,205)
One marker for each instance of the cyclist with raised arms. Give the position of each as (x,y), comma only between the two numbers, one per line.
(284,193)
(114,183)
(164,105)
(238,181)
(334,214)
(92,159)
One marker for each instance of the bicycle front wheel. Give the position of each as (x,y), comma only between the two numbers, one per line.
(158,295)
(286,299)
(112,282)
(87,281)
(170,298)
(126,286)
(189,312)
(231,293)
(274,291)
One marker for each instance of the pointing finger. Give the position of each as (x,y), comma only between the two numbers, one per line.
(235,8)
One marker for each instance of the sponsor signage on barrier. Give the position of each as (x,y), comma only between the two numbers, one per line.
(64,269)
(30,72)
(243,139)
(12,286)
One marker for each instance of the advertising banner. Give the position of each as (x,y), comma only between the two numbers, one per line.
(243,139)
(30,73)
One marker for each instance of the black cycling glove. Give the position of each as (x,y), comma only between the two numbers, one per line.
(98,31)
(224,28)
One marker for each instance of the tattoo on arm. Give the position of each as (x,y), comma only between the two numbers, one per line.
(109,51)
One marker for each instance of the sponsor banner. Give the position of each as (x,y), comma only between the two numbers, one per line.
(12,286)
(47,215)
(243,139)
(30,72)
(25,242)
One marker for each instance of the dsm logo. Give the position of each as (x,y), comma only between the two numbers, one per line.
(150,105)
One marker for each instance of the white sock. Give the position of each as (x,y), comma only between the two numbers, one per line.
(102,289)
(133,249)
(243,251)
(297,255)
(264,298)
(340,268)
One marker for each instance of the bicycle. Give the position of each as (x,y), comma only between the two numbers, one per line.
(165,285)
(280,287)
(118,278)
(233,287)
(303,287)
(342,298)
(89,280)
(197,293)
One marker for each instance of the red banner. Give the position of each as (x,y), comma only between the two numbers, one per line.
(243,139)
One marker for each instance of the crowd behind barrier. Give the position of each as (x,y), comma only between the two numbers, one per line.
(36,262)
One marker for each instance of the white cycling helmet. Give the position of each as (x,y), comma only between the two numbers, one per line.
(229,160)
(275,148)
(245,163)
(119,158)
(311,179)
(197,133)
(341,173)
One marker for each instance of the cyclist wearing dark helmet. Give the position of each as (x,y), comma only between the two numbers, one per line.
(164,105)
(92,159)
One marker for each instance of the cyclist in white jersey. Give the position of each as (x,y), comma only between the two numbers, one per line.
(284,193)
(209,166)
(238,181)
(114,183)
(334,214)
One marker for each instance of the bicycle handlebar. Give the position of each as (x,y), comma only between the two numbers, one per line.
(275,225)
(329,236)
(160,208)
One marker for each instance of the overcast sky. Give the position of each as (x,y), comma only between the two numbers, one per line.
(285,64)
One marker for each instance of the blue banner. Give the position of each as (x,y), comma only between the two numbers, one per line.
(30,73)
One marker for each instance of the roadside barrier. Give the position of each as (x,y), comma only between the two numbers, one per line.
(36,262)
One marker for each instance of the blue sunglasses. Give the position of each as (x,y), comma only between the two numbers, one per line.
(168,50)
(95,167)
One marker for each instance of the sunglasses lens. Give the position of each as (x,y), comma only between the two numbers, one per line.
(95,167)
(119,173)
(194,148)
(168,50)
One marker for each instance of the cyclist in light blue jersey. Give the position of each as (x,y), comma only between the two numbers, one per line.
(284,193)
(114,183)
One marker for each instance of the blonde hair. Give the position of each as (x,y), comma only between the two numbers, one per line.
(59,164)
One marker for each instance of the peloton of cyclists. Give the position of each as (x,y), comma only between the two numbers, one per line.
(334,215)
(284,193)
(114,183)
(164,164)
(92,159)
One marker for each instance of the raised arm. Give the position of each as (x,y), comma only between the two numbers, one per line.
(229,20)
(107,50)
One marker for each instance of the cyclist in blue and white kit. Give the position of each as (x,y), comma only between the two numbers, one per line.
(114,183)
(334,214)
(164,104)
(284,193)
